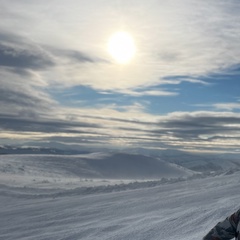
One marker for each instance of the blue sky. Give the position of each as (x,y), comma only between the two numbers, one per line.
(189,97)
(180,90)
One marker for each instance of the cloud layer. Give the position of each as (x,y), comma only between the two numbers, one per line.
(187,38)
(48,48)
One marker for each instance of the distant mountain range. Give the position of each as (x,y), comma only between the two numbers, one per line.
(5,149)
(91,166)
(127,161)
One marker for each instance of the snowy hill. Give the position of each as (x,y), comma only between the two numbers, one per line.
(35,169)
(133,166)
(181,210)
(205,163)
(98,168)
(75,197)
(199,162)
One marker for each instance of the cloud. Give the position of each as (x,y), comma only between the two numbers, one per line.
(22,58)
(79,56)
(127,127)
(70,56)
(22,95)
(16,124)
(139,93)
(20,103)
(194,126)
(172,39)
(19,52)
(179,79)
(227,106)
(43,47)
(22,99)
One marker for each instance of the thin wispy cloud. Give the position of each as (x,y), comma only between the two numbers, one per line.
(227,106)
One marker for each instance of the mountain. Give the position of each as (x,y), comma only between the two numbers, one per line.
(200,162)
(94,166)
(123,165)
(203,162)
(37,150)
(124,160)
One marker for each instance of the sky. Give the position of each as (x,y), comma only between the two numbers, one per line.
(60,84)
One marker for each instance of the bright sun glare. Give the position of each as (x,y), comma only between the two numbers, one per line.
(121,46)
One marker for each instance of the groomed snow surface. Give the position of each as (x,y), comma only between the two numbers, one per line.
(77,197)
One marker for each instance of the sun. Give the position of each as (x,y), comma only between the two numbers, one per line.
(121,47)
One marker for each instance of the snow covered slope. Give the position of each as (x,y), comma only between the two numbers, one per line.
(32,170)
(203,163)
(200,161)
(44,197)
(181,210)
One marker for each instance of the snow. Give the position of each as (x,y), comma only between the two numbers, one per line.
(85,169)
(63,206)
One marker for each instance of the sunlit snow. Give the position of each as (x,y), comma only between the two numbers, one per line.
(51,197)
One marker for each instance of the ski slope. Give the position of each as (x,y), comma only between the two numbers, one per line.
(183,209)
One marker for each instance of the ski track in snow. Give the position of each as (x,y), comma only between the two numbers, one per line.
(169,210)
